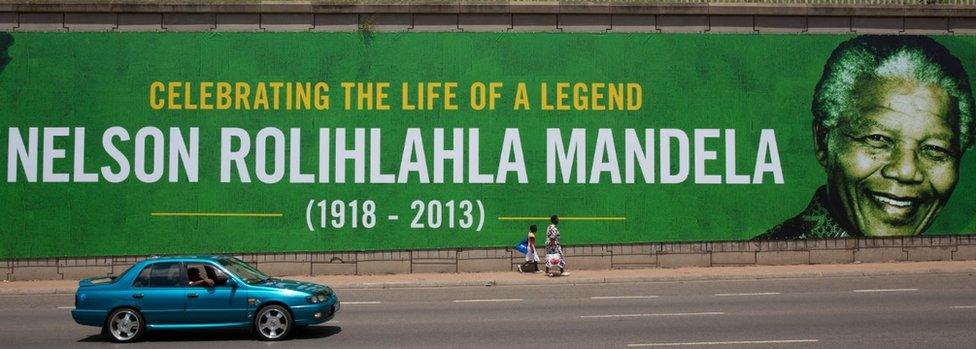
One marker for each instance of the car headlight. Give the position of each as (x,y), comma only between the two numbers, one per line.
(312,299)
(321,297)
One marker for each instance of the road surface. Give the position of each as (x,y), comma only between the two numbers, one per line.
(930,311)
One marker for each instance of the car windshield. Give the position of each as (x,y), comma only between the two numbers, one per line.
(243,270)
(116,278)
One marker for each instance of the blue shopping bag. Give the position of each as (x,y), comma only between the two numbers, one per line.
(523,246)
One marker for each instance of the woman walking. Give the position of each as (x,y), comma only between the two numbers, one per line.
(554,250)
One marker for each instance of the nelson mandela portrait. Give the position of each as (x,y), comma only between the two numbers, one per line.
(892,116)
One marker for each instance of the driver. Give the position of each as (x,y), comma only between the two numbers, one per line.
(193,274)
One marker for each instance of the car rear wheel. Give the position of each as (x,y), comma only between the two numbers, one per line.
(273,322)
(125,325)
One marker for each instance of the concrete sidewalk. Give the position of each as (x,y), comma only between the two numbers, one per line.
(578,276)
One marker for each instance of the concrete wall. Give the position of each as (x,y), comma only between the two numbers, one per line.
(598,257)
(688,18)
(529,16)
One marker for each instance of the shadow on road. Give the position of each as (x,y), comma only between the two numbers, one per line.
(311,332)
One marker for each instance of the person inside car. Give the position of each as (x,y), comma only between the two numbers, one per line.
(193,274)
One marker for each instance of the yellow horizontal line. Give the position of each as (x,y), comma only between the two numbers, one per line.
(214,214)
(563,218)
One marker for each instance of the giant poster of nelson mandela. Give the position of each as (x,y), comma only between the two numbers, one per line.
(892,116)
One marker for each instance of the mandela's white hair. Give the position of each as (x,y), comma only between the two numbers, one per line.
(916,59)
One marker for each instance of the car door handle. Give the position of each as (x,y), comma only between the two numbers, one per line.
(137,295)
(192,295)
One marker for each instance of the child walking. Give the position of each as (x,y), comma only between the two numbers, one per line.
(531,264)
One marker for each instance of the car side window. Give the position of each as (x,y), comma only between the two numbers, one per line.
(168,274)
(218,276)
(143,279)
(205,275)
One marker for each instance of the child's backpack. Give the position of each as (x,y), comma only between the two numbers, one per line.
(523,246)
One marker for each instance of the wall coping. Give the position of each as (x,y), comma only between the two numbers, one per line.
(502,7)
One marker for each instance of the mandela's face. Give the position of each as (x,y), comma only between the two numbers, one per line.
(894,166)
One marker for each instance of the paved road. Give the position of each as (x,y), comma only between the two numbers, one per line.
(934,311)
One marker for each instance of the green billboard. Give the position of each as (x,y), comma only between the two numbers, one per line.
(158,143)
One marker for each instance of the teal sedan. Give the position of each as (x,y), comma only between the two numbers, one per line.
(200,292)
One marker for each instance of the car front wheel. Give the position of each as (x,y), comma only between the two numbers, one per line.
(273,322)
(125,325)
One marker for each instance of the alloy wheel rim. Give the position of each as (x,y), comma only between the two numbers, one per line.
(273,323)
(125,325)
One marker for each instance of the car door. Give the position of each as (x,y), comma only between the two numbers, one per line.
(160,294)
(219,304)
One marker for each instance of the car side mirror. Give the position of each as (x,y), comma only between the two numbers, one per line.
(231,283)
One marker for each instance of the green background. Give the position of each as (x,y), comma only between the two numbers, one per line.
(98,80)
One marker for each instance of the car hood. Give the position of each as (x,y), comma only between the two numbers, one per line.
(293,285)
